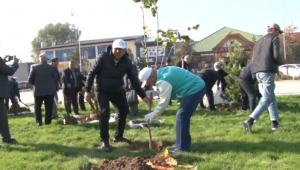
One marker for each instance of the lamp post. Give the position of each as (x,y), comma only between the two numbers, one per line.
(79,49)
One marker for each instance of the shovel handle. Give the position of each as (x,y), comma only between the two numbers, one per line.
(149,130)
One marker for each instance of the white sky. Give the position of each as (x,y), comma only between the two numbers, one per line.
(21,19)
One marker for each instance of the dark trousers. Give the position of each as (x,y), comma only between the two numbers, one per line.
(248,93)
(186,109)
(14,104)
(55,106)
(210,97)
(4,128)
(68,100)
(119,100)
(133,108)
(223,85)
(48,103)
(81,102)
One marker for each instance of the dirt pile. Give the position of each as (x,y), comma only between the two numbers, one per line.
(70,120)
(125,163)
(224,106)
(20,109)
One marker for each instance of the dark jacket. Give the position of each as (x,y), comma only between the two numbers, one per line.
(247,74)
(266,54)
(13,89)
(186,66)
(42,77)
(209,76)
(6,71)
(127,84)
(56,79)
(222,74)
(109,75)
(68,77)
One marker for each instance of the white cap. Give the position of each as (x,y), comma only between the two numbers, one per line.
(144,75)
(119,43)
(217,66)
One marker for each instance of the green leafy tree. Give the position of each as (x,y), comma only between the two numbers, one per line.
(234,69)
(52,35)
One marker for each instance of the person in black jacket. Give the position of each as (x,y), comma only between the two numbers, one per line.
(5,71)
(109,70)
(266,59)
(55,63)
(210,77)
(71,79)
(14,92)
(185,60)
(247,81)
(222,74)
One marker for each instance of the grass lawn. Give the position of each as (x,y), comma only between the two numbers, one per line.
(218,141)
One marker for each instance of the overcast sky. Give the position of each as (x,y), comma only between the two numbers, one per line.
(20,20)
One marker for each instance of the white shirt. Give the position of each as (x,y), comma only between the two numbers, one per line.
(165,89)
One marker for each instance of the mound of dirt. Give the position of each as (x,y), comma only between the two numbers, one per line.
(20,109)
(92,116)
(125,163)
(158,146)
(224,106)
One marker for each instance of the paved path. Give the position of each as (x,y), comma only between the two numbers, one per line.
(287,87)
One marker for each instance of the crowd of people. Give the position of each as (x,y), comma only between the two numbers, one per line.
(119,82)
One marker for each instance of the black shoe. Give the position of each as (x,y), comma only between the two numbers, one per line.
(121,139)
(106,147)
(11,140)
(212,110)
(248,126)
(39,124)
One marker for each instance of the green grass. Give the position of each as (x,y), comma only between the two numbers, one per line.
(218,141)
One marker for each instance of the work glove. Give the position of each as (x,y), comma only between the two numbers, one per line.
(150,117)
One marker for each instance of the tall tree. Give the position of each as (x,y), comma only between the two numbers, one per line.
(184,49)
(52,35)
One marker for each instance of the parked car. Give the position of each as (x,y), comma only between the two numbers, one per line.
(292,70)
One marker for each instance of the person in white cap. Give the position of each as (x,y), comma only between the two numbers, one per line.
(109,70)
(266,59)
(175,83)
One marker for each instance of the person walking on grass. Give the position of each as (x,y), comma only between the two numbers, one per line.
(189,89)
(6,71)
(109,70)
(42,77)
(266,59)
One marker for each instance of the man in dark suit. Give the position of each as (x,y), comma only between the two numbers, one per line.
(14,92)
(42,77)
(71,78)
(54,63)
(4,93)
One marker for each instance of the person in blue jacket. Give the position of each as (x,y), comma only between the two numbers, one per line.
(175,83)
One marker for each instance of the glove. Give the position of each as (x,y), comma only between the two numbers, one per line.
(149,117)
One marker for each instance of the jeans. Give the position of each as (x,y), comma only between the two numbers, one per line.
(187,107)
(268,99)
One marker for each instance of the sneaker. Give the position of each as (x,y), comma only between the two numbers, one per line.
(122,139)
(275,126)
(175,151)
(248,126)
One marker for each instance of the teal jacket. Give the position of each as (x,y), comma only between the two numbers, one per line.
(183,82)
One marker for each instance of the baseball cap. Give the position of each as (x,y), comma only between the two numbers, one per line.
(119,43)
(43,55)
(144,75)
(275,26)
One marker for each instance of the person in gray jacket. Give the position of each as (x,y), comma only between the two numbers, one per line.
(5,71)
(266,59)
(42,77)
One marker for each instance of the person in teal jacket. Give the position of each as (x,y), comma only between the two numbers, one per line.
(175,83)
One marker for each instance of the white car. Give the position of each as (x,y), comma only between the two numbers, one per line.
(292,70)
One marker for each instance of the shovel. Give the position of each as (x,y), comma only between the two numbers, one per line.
(149,130)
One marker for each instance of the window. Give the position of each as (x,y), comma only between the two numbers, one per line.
(88,52)
(49,55)
(63,55)
(101,48)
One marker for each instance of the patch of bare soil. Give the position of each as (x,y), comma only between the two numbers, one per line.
(20,109)
(224,106)
(125,163)
(69,120)
(158,146)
